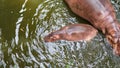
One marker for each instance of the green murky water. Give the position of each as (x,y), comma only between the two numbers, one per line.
(23,25)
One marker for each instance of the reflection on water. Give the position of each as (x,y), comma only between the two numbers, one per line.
(23,25)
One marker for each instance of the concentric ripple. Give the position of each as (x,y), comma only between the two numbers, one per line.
(24,24)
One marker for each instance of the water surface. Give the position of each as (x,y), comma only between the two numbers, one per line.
(24,24)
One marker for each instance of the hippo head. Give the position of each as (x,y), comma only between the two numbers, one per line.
(115,42)
(52,37)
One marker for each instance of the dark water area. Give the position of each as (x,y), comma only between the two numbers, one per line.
(24,24)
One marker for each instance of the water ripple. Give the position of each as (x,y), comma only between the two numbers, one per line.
(33,20)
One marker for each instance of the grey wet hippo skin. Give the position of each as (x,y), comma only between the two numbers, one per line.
(101,14)
(73,32)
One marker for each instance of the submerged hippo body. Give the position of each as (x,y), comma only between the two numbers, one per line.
(73,32)
(101,14)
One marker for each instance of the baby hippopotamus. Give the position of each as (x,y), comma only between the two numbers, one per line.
(73,32)
(101,14)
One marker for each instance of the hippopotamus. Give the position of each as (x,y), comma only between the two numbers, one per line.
(101,15)
(73,32)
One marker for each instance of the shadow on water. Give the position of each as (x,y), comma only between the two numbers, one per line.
(23,25)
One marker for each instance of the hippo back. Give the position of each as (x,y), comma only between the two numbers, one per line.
(92,10)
